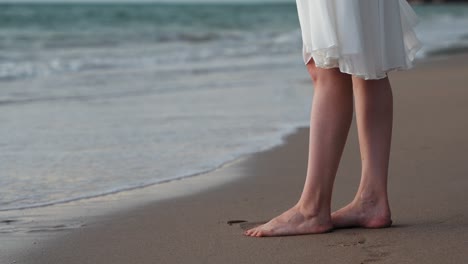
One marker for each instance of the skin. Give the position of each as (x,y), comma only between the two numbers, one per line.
(330,121)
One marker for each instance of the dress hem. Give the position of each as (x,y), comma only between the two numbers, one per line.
(347,69)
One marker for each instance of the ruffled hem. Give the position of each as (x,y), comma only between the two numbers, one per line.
(327,59)
(361,62)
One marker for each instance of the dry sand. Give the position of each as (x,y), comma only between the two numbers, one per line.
(428,188)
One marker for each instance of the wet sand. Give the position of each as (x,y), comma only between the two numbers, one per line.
(427,187)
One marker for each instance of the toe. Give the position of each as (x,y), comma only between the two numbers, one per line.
(249,232)
(252,231)
(257,231)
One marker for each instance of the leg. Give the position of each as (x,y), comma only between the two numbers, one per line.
(331,117)
(374,114)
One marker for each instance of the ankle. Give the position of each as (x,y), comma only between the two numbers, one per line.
(371,199)
(309,211)
(375,206)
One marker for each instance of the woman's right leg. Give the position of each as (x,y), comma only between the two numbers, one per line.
(330,120)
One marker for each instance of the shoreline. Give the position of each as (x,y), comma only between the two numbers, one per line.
(290,129)
(231,192)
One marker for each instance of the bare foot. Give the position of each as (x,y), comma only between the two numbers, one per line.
(292,222)
(359,213)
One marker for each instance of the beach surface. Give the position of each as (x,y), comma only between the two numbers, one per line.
(427,188)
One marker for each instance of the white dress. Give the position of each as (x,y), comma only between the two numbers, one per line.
(365,38)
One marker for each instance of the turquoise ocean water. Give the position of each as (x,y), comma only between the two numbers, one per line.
(99,98)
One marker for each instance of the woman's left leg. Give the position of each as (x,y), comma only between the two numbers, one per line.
(374,114)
